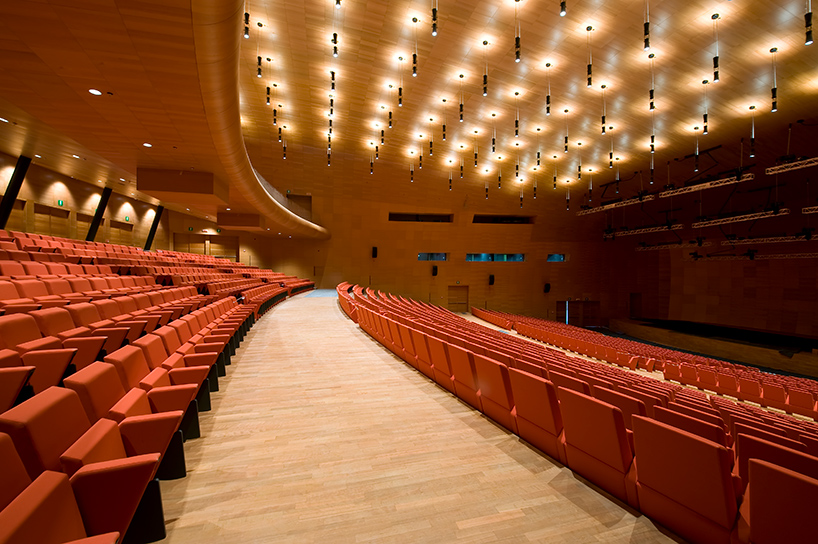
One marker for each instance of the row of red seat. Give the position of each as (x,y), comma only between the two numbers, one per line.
(82,462)
(694,469)
(264,297)
(788,393)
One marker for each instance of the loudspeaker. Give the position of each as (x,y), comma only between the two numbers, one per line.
(374,252)
(491,279)
(546,288)
(434,270)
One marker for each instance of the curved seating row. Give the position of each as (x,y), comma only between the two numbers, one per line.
(679,456)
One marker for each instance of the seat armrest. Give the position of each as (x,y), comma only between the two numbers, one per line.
(149,433)
(88,348)
(190,375)
(166,399)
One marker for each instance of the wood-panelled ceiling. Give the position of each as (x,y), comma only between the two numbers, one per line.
(142,56)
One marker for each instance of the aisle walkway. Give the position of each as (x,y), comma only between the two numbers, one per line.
(321,435)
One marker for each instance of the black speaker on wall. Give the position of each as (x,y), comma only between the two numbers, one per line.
(434,270)
(374,252)
(491,279)
(546,288)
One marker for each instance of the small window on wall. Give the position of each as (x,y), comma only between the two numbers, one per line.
(495,257)
(433,256)
(556,258)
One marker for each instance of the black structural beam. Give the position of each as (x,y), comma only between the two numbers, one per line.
(155,225)
(13,189)
(103,203)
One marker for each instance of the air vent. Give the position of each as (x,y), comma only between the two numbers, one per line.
(422,217)
(504,219)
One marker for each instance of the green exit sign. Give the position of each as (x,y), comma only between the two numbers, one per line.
(190,229)
(218,230)
(60,203)
(127,218)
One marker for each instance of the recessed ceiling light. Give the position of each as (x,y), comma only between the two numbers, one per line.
(3,119)
(228,209)
(188,209)
(146,144)
(95,92)
(38,156)
(76,156)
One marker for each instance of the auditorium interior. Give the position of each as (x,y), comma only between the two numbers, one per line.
(408,271)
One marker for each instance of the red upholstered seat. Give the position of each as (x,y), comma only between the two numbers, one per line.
(597,444)
(684,482)
(537,409)
(464,378)
(496,396)
(441,368)
(423,359)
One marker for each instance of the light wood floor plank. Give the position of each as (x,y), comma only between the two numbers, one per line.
(319,434)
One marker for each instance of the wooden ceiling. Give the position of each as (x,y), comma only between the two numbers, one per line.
(144,59)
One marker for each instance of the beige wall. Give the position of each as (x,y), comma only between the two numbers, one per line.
(126,220)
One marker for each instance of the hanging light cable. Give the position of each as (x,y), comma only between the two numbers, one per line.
(434,17)
(652,58)
(611,153)
(752,131)
(566,130)
(486,71)
(517,30)
(517,114)
(555,172)
(563,11)
(538,146)
(444,119)
(807,24)
(704,116)
(246,24)
(579,165)
(652,133)
(604,108)
(547,88)
(461,96)
(415,53)
(431,135)
(715,17)
(696,165)
(493,133)
(334,44)
(647,25)
(475,148)
(400,85)
(774,90)
(390,106)
(590,29)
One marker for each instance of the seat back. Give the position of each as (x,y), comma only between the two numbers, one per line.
(12,268)
(685,468)
(493,381)
(34,268)
(107,308)
(13,478)
(692,425)
(53,321)
(752,447)
(126,304)
(8,291)
(596,428)
(17,329)
(461,365)
(44,426)
(98,387)
(782,504)
(536,400)
(630,406)
(83,313)
(57,286)
(30,288)
(130,364)
(169,337)
(568,382)
(153,348)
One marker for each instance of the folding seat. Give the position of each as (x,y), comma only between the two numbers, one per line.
(12,302)
(774,395)
(597,444)
(463,376)
(109,310)
(439,358)
(802,402)
(629,406)
(80,284)
(424,360)
(36,290)
(708,431)
(102,396)
(134,371)
(46,510)
(496,396)
(537,411)
(58,322)
(20,332)
(189,332)
(143,302)
(408,354)
(51,431)
(61,288)
(780,507)
(684,482)
(568,382)
(15,379)
(649,399)
(157,356)
(14,269)
(750,390)
(776,436)
(752,447)
(710,416)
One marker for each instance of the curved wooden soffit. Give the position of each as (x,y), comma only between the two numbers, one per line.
(217,37)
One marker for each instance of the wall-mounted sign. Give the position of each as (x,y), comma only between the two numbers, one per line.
(60,203)
(127,218)
(190,229)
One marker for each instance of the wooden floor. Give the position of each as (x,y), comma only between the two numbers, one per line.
(319,434)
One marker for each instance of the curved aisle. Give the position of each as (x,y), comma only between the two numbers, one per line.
(319,434)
